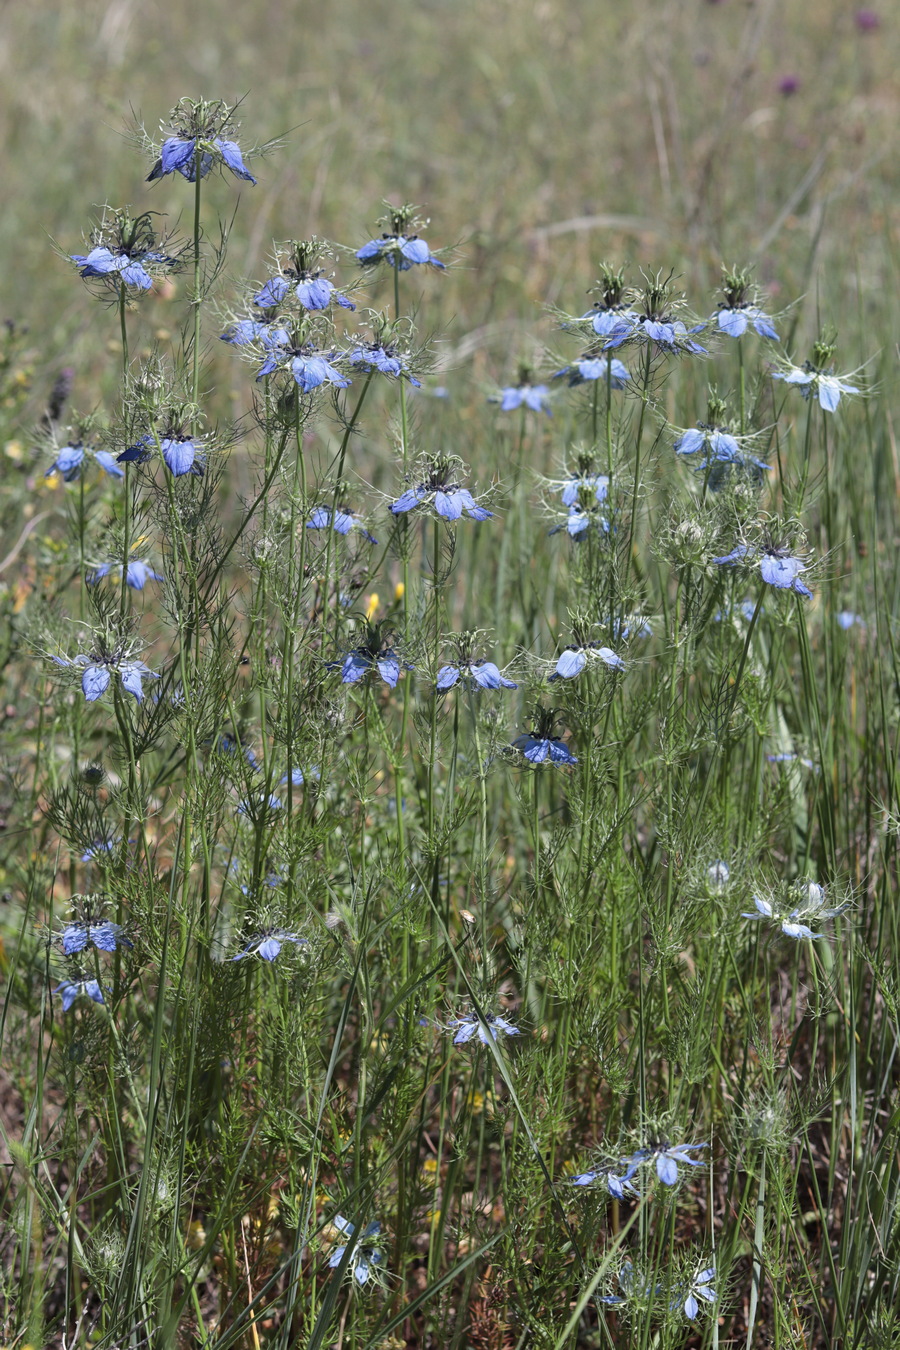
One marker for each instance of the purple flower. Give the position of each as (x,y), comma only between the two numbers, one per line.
(398,251)
(106,937)
(386,359)
(344,522)
(533,396)
(827,388)
(787,85)
(866,20)
(98,671)
(70,458)
(609,369)
(668,1158)
(71,989)
(309,367)
(472,675)
(179,155)
(734,321)
(267,945)
(181,456)
(137,574)
(470,1026)
(574,659)
(538,749)
(366,1256)
(447,498)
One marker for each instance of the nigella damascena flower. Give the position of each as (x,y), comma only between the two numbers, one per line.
(244,332)
(616,1180)
(258,805)
(469,1026)
(122,251)
(137,574)
(374,654)
(70,990)
(99,668)
(181,454)
(718,875)
(580,519)
(366,1256)
(667,1158)
(472,675)
(592,366)
(540,745)
(400,246)
(70,461)
(777,568)
(441,493)
(846,619)
(524,395)
(810,898)
(98,848)
(611,308)
(386,358)
(344,521)
(309,367)
(198,142)
(738,308)
(267,945)
(312,289)
(827,387)
(105,936)
(700,1287)
(574,659)
(655,321)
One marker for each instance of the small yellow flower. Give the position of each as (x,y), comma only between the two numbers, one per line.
(53,479)
(399,591)
(13,451)
(195,1236)
(372,604)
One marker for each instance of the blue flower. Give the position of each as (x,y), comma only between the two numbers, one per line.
(309,368)
(469,1025)
(811,897)
(98,848)
(668,1158)
(720,444)
(828,388)
(533,396)
(592,367)
(181,456)
(580,519)
(344,522)
(399,251)
(267,945)
(672,334)
(106,937)
(718,874)
(71,989)
(298,778)
(846,619)
(243,332)
(617,1182)
(139,453)
(366,1256)
(102,262)
(374,356)
(179,155)
(258,804)
(604,318)
(701,1287)
(538,749)
(782,571)
(372,654)
(137,574)
(70,459)
(98,672)
(472,675)
(448,499)
(312,290)
(574,659)
(734,321)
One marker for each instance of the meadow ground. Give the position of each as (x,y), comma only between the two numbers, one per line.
(449,893)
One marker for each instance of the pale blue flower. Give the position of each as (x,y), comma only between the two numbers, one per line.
(734,321)
(533,396)
(668,1158)
(472,675)
(828,388)
(469,1026)
(70,990)
(267,945)
(105,936)
(574,659)
(398,251)
(366,1257)
(700,1287)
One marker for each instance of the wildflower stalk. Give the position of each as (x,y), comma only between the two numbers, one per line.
(196,298)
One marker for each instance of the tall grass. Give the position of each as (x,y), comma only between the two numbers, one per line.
(517,977)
